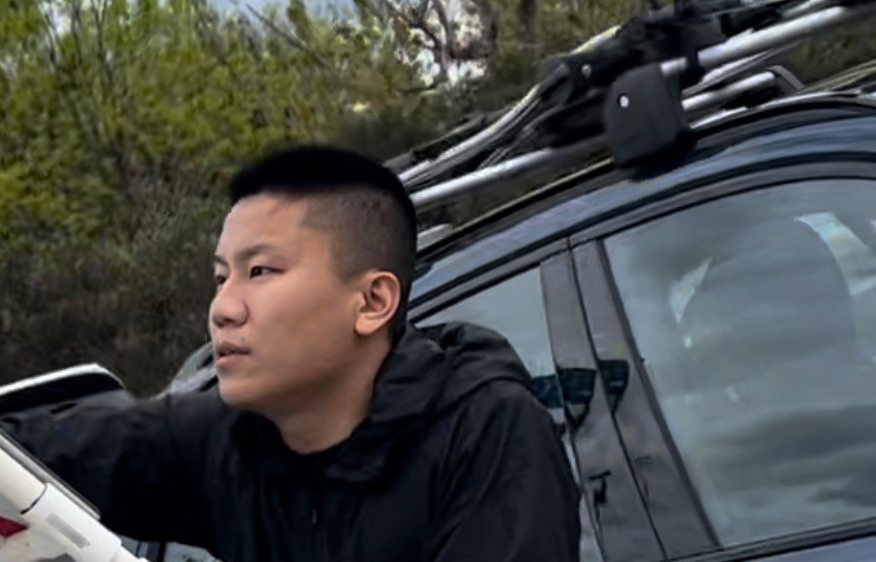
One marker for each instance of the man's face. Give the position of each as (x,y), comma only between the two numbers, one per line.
(282,321)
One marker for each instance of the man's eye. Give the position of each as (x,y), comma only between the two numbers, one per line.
(259,270)
(219,279)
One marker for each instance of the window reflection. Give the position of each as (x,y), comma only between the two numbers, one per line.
(756,318)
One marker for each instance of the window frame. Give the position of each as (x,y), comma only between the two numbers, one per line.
(764,175)
(660,477)
(627,532)
(590,254)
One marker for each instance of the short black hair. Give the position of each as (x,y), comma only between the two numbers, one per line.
(361,202)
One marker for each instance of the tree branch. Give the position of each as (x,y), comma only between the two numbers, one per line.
(89,123)
(528,13)
(490,27)
(438,47)
(289,37)
(98,12)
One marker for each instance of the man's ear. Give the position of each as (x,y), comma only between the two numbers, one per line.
(381,298)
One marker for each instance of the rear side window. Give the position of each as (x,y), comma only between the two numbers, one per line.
(755,316)
(515,309)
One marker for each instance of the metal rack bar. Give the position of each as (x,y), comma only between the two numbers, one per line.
(773,37)
(807,19)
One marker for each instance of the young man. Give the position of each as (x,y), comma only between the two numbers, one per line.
(339,432)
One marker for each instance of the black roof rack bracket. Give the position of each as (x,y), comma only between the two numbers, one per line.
(644,116)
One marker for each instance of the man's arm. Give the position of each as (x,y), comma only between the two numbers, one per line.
(138,465)
(507,492)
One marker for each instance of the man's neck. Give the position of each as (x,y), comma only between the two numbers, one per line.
(331,417)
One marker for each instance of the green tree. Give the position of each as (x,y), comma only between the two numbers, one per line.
(126,118)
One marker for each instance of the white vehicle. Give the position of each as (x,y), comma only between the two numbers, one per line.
(40,517)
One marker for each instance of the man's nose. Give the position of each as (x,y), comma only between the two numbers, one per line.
(228,307)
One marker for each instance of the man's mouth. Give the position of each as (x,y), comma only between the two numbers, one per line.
(228,349)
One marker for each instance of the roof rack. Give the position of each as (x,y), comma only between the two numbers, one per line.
(629,94)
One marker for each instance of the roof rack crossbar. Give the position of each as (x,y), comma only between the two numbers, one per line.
(742,54)
(773,36)
(517,168)
(807,7)
(515,112)
(709,99)
(522,167)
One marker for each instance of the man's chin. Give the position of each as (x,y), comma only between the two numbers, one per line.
(240,395)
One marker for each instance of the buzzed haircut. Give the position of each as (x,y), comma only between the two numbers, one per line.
(360,202)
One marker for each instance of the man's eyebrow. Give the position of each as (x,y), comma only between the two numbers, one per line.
(247,253)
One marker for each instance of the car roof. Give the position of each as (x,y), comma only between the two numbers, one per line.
(804,126)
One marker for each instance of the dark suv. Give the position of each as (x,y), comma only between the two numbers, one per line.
(709,333)
(704,332)
(706,337)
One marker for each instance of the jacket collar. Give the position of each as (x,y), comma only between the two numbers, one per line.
(425,373)
(407,393)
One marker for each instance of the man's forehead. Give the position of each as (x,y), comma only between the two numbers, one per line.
(260,213)
(267,221)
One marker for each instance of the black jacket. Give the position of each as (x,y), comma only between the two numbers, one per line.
(457,461)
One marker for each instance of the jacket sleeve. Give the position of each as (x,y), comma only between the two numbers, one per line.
(137,464)
(506,491)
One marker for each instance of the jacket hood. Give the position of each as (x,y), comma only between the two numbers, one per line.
(429,372)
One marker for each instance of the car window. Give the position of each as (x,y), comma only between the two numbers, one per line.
(515,309)
(755,316)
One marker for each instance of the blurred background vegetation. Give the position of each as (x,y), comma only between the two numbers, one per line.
(120,121)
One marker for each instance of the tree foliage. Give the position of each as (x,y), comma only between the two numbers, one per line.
(125,119)
(122,120)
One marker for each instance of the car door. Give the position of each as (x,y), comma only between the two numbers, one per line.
(745,312)
(529,300)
